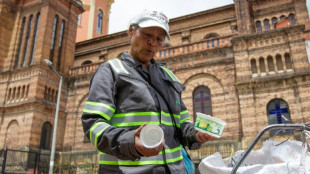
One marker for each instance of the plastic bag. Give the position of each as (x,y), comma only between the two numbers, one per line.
(305,157)
(281,159)
(189,165)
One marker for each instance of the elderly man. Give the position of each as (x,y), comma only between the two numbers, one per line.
(128,93)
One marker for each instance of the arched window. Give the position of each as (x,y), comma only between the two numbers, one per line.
(99,22)
(258,26)
(80,15)
(61,36)
(278,113)
(34,39)
(53,98)
(270,64)
(48,94)
(211,36)
(253,66)
(27,41)
(266,25)
(13,94)
(46,134)
(19,42)
(18,93)
(292,20)
(12,138)
(262,66)
(52,47)
(274,20)
(9,94)
(23,92)
(282,17)
(27,91)
(86,62)
(45,93)
(167,51)
(288,61)
(202,101)
(279,62)
(214,41)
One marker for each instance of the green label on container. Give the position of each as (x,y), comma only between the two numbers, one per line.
(208,125)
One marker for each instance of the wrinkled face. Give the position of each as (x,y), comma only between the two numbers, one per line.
(146,42)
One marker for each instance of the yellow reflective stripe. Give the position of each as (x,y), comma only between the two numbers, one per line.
(177,119)
(145,113)
(141,162)
(168,115)
(101,104)
(118,66)
(97,112)
(175,159)
(184,116)
(139,118)
(134,119)
(172,150)
(134,123)
(135,114)
(141,123)
(168,123)
(102,109)
(170,74)
(96,130)
(171,155)
(183,112)
(131,162)
(184,120)
(121,65)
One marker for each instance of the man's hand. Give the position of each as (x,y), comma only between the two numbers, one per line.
(204,137)
(143,150)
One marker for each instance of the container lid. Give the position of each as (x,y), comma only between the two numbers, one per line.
(151,136)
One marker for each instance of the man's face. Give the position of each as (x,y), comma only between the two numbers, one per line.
(146,42)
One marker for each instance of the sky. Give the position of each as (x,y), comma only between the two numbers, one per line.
(123,10)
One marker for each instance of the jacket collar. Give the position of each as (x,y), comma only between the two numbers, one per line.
(132,61)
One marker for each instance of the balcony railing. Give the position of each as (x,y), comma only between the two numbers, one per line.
(168,52)
(194,47)
(85,69)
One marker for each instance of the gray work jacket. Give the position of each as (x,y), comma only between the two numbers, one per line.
(122,97)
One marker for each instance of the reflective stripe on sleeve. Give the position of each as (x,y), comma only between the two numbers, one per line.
(167,116)
(96,130)
(171,75)
(104,110)
(135,119)
(139,118)
(118,66)
(172,155)
(184,116)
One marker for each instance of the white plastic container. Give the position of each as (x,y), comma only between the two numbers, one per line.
(208,124)
(151,136)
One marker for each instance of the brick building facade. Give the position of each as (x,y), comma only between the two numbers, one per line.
(249,58)
(32,31)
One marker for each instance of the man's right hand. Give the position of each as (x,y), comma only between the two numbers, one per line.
(147,152)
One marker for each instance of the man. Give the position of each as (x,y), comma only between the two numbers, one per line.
(130,92)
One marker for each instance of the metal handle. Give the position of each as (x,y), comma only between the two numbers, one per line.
(258,136)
